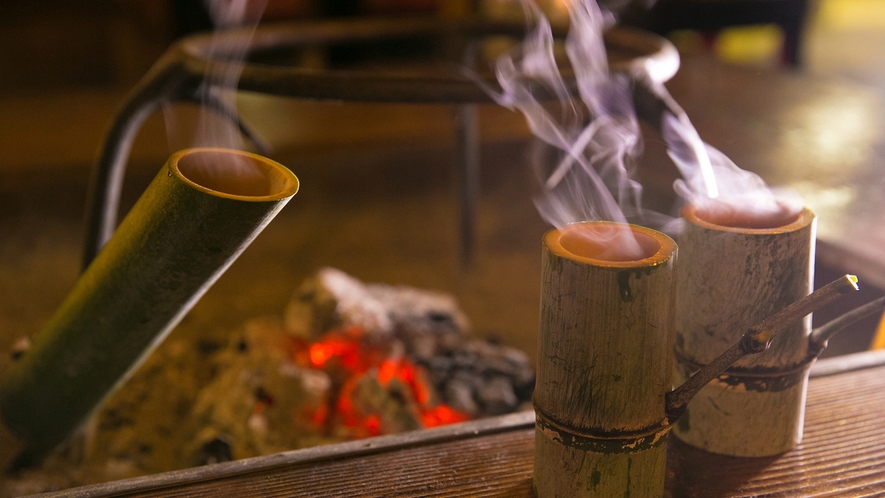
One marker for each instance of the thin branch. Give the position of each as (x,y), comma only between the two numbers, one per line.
(756,340)
(819,336)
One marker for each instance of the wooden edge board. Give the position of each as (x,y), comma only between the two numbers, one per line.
(847,363)
(492,425)
(487,426)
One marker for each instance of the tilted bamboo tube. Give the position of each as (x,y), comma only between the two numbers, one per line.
(199,213)
(729,279)
(605,350)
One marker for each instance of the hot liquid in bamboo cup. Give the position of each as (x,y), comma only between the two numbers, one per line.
(730,278)
(605,350)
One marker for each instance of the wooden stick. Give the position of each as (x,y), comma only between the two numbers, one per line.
(822,334)
(759,337)
(756,340)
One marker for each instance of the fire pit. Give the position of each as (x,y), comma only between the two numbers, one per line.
(351,361)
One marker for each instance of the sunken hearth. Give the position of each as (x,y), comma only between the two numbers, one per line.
(346,360)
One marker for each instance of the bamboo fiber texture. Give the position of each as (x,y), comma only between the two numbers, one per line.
(184,231)
(729,279)
(605,366)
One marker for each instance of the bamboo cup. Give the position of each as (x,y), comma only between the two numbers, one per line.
(199,213)
(605,364)
(730,278)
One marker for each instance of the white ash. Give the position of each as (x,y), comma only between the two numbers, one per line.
(332,298)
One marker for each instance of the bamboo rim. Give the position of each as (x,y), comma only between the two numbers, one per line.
(803,219)
(233,174)
(571,242)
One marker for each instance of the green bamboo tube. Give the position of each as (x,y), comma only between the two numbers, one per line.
(200,212)
(605,363)
(731,276)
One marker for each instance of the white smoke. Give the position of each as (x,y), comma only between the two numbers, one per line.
(217,123)
(593,142)
(723,193)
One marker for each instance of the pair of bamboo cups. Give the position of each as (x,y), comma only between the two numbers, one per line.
(617,333)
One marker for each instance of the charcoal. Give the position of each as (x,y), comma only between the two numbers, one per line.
(420,311)
(312,310)
(523,373)
(519,374)
(393,404)
(497,396)
(216,450)
(469,376)
(438,368)
(252,391)
(449,343)
(252,400)
(459,395)
(464,360)
(422,347)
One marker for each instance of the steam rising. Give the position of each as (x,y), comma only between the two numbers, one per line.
(217,124)
(593,143)
(721,190)
(599,136)
(224,67)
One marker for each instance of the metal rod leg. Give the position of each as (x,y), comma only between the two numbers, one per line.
(467,144)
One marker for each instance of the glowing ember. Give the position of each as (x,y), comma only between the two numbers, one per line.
(342,346)
(442,415)
(354,363)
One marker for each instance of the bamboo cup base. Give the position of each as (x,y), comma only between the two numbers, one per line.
(774,418)
(583,471)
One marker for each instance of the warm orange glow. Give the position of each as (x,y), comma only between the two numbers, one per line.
(419,389)
(259,408)
(333,345)
(344,355)
(320,416)
(344,406)
(373,424)
(442,415)
(320,354)
(386,372)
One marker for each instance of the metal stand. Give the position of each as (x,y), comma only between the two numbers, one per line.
(179,73)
